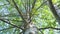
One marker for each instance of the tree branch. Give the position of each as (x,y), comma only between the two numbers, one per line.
(33,4)
(12,20)
(19,11)
(10,23)
(41,5)
(41,32)
(53,10)
(49,28)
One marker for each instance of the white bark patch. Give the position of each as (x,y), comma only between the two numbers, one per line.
(31,30)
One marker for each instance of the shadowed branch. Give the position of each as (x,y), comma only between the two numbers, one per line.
(19,11)
(53,10)
(9,23)
(49,28)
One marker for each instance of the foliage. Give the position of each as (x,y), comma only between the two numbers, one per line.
(41,15)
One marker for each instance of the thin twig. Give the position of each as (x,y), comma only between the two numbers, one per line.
(41,32)
(49,28)
(12,20)
(41,5)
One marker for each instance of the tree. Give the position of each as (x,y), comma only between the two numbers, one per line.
(26,16)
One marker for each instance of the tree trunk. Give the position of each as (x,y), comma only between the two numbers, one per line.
(31,29)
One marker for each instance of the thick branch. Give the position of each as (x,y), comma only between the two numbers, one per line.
(52,8)
(10,23)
